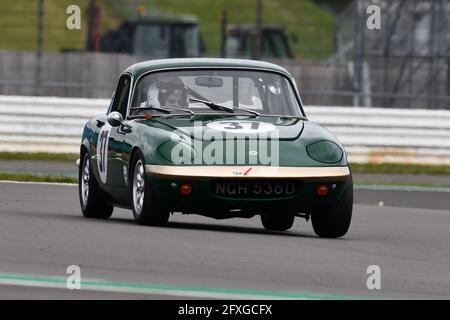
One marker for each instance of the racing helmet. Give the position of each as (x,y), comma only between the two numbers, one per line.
(168,91)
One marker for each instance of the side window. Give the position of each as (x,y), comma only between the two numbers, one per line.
(121,96)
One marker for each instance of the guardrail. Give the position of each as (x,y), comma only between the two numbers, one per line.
(44,124)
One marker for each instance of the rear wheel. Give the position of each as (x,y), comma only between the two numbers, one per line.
(146,210)
(277,222)
(334,221)
(93,200)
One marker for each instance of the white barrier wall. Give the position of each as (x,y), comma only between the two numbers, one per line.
(43,124)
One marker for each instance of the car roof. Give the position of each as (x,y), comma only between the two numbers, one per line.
(152,65)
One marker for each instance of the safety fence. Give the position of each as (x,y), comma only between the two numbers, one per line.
(370,135)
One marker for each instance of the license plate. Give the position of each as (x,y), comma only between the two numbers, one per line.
(255,188)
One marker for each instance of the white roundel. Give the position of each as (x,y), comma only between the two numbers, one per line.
(242,126)
(102,151)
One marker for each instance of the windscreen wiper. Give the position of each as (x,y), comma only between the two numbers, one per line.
(216,106)
(185,110)
(150,107)
(163,110)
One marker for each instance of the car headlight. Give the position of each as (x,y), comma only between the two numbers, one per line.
(325,151)
(177,152)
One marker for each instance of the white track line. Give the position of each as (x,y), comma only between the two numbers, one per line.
(180,292)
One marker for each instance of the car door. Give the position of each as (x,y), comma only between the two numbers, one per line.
(111,146)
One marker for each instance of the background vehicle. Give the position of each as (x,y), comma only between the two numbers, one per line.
(156,36)
(240,42)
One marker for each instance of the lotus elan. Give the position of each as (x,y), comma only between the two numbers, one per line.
(223,138)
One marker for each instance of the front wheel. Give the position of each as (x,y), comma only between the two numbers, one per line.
(334,221)
(93,200)
(146,210)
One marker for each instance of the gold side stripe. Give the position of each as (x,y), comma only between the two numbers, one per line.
(247,171)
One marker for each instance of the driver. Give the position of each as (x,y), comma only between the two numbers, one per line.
(168,92)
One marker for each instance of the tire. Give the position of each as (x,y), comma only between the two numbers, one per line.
(277,222)
(146,210)
(93,200)
(334,221)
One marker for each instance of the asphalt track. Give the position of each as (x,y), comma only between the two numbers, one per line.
(42,232)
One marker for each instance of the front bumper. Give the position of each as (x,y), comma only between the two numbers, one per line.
(247,172)
(165,181)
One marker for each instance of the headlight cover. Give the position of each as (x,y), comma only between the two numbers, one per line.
(325,151)
(177,152)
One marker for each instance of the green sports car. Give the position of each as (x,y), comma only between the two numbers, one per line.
(222,138)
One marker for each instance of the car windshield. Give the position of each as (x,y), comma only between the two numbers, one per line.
(266,93)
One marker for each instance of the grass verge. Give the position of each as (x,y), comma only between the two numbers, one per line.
(386,168)
(42,156)
(399,168)
(12,176)
(401,184)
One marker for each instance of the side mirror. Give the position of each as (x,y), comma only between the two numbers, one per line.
(115,119)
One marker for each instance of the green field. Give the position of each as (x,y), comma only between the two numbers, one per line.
(312,25)
(18,22)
